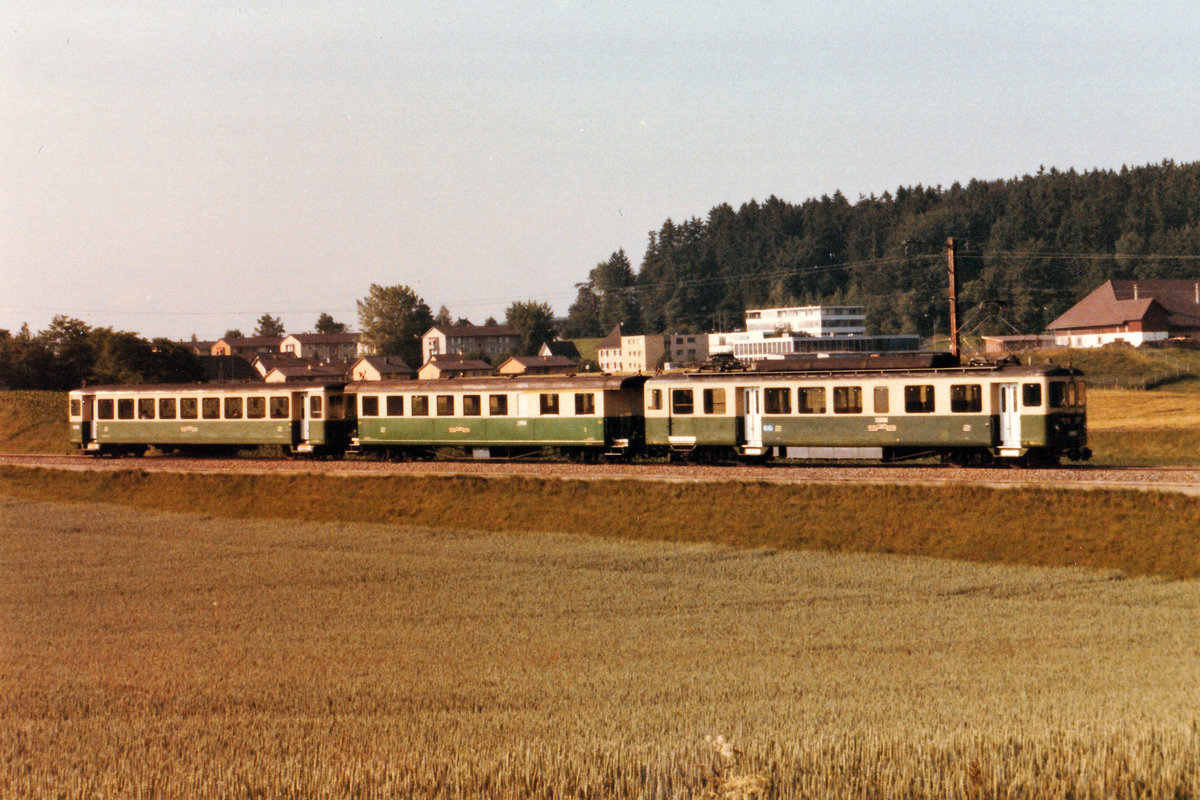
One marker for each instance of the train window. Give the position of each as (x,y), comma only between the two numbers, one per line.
(549,403)
(256,407)
(1031,395)
(1071,393)
(210,407)
(654,402)
(1058,394)
(847,400)
(445,405)
(1080,398)
(472,407)
(420,405)
(918,399)
(882,398)
(714,401)
(104,408)
(233,408)
(395,405)
(125,408)
(498,405)
(777,400)
(810,400)
(316,408)
(682,401)
(279,407)
(337,406)
(368,405)
(966,398)
(188,408)
(76,409)
(166,408)
(145,407)
(585,403)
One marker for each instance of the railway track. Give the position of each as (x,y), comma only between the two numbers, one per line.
(1184,480)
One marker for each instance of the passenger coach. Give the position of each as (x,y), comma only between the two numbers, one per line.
(965,415)
(127,420)
(585,416)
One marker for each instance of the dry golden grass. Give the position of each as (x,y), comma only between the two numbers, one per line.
(155,655)
(1126,409)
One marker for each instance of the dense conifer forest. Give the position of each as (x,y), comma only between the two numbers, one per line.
(1031,247)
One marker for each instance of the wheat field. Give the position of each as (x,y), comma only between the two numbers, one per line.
(148,655)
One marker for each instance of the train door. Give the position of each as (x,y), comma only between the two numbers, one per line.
(753,420)
(87,420)
(299,418)
(1010,416)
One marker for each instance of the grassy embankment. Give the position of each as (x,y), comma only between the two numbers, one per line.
(163,655)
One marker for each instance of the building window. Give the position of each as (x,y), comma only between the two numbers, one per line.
(966,398)
(498,405)
(1031,395)
(585,403)
(810,400)
(369,406)
(681,401)
(445,405)
(420,405)
(256,407)
(918,399)
(549,403)
(847,400)
(777,400)
(472,407)
(714,401)
(395,405)
(882,403)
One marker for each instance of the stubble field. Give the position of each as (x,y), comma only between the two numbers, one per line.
(145,654)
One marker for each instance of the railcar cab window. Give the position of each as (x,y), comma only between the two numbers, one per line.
(104,408)
(472,407)
(76,409)
(1031,395)
(337,406)
(682,401)
(420,405)
(882,398)
(714,401)
(395,405)
(498,405)
(654,402)
(145,407)
(847,400)
(188,408)
(256,407)
(549,403)
(279,407)
(316,408)
(210,407)
(966,398)
(166,408)
(777,400)
(233,408)
(918,399)
(1058,394)
(368,405)
(125,408)
(585,403)
(810,400)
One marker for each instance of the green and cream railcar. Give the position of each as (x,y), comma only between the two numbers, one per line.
(128,420)
(583,415)
(966,415)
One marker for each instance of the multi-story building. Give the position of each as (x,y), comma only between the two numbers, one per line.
(781,332)
(485,340)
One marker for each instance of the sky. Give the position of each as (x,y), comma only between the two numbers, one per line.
(182,167)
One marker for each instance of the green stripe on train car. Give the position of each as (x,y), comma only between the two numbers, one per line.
(194,432)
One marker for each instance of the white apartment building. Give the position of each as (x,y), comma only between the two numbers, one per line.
(780,332)
(810,320)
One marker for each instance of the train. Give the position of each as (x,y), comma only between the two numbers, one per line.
(883,409)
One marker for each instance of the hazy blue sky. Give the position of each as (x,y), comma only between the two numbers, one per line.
(184,166)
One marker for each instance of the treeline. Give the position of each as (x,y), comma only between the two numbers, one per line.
(69,354)
(1032,246)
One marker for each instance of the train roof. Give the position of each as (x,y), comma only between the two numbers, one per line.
(184,388)
(595,381)
(877,369)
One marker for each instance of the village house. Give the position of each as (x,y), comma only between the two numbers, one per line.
(469,340)
(452,365)
(322,346)
(1133,312)
(380,368)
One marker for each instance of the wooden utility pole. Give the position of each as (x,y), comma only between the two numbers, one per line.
(951,252)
